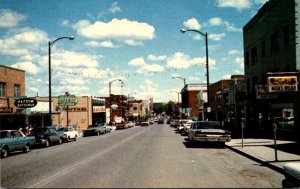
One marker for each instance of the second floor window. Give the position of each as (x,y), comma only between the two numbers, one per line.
(2,90)
(263,49)
(253,55)
(275,43)
(16,90)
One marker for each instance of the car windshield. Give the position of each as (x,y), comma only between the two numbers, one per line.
(208,125)
(4,134)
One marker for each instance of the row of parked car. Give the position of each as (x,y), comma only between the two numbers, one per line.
(202,131)
(16,140)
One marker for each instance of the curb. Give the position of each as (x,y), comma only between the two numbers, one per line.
(261,161)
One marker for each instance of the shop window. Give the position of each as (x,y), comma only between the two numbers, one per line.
(275,43)
(2,90)
(16,90)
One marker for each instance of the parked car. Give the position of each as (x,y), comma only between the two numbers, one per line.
(145,123)
(130,124)
(14,140)
(292,175)
(107,128)
(187,125)
(69,133)
(47,136)
(94,130)
(121,126)
(208,131)
(161,121)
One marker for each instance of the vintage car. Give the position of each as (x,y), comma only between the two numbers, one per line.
(121,125)
(208,131)
(94,130)
(47,135)
(161,121)
(14,140)
(292,175)
(145,123)
(69,133)
(130,124)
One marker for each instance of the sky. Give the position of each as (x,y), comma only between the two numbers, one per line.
(137,41)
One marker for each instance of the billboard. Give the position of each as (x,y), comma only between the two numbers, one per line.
(282,83)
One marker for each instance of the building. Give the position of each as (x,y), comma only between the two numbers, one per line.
(193,98)
(12,87)
(272,64)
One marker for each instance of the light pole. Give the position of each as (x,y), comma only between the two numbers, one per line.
(109,86)
(181,95)
(207,69)
(50,44)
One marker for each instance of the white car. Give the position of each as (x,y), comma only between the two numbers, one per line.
(70,133)
(130,124)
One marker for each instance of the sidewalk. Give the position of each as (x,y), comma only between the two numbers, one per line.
(263,151)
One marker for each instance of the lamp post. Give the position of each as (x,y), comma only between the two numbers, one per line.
(207,69)
(109,86)
(50,44)
(181,95)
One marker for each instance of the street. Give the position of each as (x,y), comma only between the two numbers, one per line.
(153,156)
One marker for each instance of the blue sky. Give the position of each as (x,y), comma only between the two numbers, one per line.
(137,41)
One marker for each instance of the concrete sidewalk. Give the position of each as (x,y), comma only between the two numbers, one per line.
(263,151)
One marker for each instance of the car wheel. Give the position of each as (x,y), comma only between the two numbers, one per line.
(47,143)
(4,152)
(26,149)
(60,141)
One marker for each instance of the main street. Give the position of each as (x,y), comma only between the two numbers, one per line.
(153,156)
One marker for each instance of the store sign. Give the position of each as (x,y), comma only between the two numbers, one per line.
(70,100)
(282,84)
(25,103)
(71,109)
(262,92)
(98,109)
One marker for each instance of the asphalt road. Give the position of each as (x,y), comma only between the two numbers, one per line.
(153,156)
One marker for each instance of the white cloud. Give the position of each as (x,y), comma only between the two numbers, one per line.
(156,58)
(114,8)
(133,42)
(234,52)
(227,76)
(238,4)
(116,29)
(9,19)
(107,44)
(23,42)
(217,21)
(192,23)
(29,67)
(217,36)
(137,62)
(240,61)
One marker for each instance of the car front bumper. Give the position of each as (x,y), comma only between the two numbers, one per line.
(212,138)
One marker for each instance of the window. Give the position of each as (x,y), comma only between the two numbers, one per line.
(2,89)
(263,49)
(246,59)
(253,55)
(16,90)
(275,43)
(286,36)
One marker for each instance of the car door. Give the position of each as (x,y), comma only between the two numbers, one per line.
(53,135)
(17,140)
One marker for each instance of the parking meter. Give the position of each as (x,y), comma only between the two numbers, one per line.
(275,146)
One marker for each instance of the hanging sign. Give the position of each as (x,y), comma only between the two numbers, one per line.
(25,103)
(282,83)
(70,100)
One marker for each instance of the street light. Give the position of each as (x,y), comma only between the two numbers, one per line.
(207,69)
(109,84)
(180,78)
(50,44)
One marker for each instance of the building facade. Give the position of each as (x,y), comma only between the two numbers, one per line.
(272,64)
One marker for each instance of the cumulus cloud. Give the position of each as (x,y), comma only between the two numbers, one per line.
(145,68)
(23,42)
(116,29)
(234,52)
(217,36)
(217,21)
(29,67)
(192,23)
(137,62)
(183,61)
(240,61)
(238,4)
(107,44)
(156,58)
(9,18)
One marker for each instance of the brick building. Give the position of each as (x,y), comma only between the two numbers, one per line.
(12,87)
